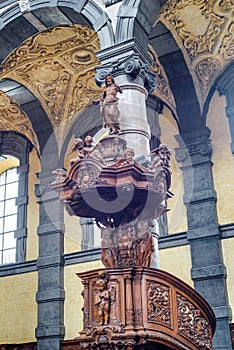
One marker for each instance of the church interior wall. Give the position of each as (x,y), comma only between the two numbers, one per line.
(177,219)
(223,160)
(18,308)
(33,208)
(18,305)
(228,248)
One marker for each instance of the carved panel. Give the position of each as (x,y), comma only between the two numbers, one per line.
(13,118)
(192,324)
(159,309)
(57,66)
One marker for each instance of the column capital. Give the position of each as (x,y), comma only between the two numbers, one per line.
(194,146)
(126,61)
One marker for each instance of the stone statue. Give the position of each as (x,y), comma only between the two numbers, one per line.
(109,105)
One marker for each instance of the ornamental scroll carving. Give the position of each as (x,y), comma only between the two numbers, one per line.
(204,31)
(57,66)
(158,303)
(192,324)
(13,118)
(163,90)
(195,39)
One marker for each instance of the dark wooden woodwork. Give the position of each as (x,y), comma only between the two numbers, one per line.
(129,305)
(136,307)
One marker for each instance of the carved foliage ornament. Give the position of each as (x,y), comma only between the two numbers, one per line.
(57,66)
(204,31)
(192,324)
(159,303)
(181,15)
(13,118)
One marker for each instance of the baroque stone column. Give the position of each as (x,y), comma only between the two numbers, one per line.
(129,64)
(50,296)
(208,270)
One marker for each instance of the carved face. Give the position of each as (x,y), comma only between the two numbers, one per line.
(100,285)
(109,80)
(88,140)
(129,155)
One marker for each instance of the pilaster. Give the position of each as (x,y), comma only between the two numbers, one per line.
(208,271)
(50,296)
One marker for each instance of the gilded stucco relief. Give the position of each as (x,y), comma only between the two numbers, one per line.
(12,118)
(204,32)
(57,66)
(163,90)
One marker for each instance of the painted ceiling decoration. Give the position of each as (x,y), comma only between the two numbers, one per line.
(57,66)
(12,118)
(163,91)
(204,31)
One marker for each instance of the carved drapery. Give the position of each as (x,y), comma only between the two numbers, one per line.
(57,66)
(198,28)
(12,118)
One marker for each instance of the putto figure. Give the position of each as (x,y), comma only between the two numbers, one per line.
(109,105)
(78,147)
(162,156)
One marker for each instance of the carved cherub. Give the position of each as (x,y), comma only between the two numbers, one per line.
(91,151)
(102,301)
(162,156)
(78,147)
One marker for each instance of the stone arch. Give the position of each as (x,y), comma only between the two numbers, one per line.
(56,67)
(180,81)
(135,19)
(48,14)
(224,84)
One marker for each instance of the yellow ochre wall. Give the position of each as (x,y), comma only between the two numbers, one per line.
(223,159)
(33,208)
(73,316)
(177,220)
(228,249)
(18,308)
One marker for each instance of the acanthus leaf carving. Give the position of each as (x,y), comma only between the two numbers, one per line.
(195,42)
(192,324)
(158,303)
